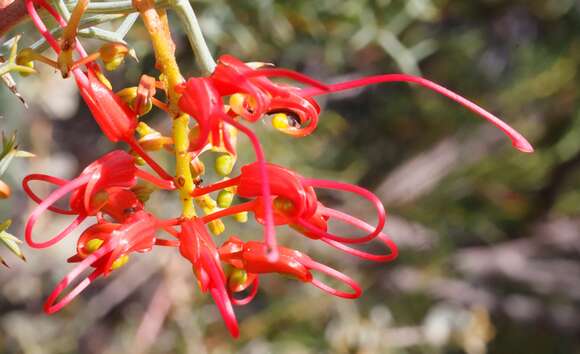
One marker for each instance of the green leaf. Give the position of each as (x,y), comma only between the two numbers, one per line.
(22,153)
(11,242)
(10,151)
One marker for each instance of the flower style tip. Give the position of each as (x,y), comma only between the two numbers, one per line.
(518,141)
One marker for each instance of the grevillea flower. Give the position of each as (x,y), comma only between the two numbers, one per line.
(89,191)
(251,258)
(111,113)
(197,246)
(106,247)
(264,97)
(295,203)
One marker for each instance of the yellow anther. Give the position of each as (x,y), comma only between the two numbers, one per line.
(206,203)
(93,245)
(224,164)
(241,217)
(143,190)
(237,103)
(237,277)
(225,198)
(119,262)
(280,121)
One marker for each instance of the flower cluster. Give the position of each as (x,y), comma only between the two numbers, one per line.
(113,190)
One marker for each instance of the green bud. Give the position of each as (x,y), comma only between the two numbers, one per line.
(225,198)
(224,164)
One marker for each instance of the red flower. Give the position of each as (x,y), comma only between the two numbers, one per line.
(89,191)
(295,203)
(106,247)
(197,246)
(251,257)
(264,97)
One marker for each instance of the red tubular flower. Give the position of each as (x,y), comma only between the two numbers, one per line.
(88,191)
(197,246)
(105,247)
(252,258)
(233,76)
(296,204)
(113,116)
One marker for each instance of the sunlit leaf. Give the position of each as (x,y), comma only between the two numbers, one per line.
(11,242)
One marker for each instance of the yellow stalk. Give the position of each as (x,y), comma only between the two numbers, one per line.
(158,28)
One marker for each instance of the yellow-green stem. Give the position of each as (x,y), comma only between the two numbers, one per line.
(158,28)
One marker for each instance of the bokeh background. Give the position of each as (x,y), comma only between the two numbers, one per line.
(489,237)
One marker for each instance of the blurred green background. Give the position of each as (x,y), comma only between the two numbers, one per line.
(489,237)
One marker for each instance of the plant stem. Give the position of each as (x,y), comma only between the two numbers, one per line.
(191,27)
(158,27)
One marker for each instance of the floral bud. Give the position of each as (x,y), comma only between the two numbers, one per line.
(5,190)
(113,55)
(216,227)
(225,198)
(129,96)
(155,142)
(26,58)
(241,217)
(224,164)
